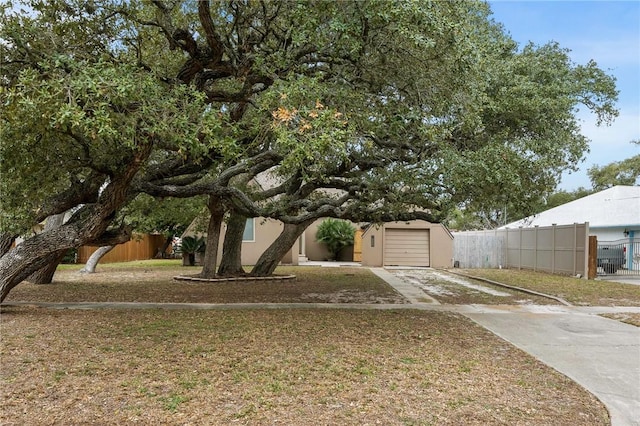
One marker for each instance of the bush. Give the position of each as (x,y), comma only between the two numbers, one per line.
(192,245)
(336,234)
(189,247)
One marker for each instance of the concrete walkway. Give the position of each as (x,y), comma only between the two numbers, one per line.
(600,354)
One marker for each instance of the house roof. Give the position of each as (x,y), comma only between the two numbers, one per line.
(613,207)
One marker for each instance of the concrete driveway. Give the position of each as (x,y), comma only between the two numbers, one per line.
(600,354)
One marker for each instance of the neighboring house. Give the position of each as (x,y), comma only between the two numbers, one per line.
(613,214)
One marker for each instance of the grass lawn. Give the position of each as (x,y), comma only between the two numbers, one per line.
(277,366)
(632,318)
(579,292)
(152,281)
(265,367)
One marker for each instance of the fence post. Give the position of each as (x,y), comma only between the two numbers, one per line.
(631,251)
(520,250)
(593,257)
(535,249)
(553,248)
(506,250)
(575,248)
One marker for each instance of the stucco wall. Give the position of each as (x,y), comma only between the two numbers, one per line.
(315,250)
(265,232)
(440,243)
(441,247)
(372,246)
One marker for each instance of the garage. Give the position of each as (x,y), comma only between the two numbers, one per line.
(412,243)
(406,247)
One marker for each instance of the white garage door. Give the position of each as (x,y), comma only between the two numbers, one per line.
(406,247)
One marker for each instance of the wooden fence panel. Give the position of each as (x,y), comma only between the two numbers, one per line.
(140,247)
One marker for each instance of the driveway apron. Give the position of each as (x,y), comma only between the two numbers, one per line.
(600,354)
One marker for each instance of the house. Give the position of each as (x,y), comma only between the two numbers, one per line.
(613,214)
(259,233)
(420,243)
(415,243)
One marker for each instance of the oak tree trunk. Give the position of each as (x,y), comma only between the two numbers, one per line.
(45,275)
(272,256)
(231,263)
(87,225)
(6,241)
(92,262)
(14,269)
(167,242)
(216,208)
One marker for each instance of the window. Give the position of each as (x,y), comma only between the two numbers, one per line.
(373,241)
(249,231)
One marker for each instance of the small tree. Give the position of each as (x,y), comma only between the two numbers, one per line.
(623,172)
(336,234)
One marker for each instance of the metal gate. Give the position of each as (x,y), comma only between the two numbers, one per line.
(621,257)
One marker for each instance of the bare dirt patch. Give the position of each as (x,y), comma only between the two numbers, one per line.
(264,367)
(154,283)
(455,290)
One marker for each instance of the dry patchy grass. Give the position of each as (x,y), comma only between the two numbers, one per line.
(579,292)
(152,281)
(265,367)
(632,318)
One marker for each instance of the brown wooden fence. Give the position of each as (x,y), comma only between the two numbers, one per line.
(141,247)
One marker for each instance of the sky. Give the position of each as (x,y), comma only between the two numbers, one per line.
(605,31)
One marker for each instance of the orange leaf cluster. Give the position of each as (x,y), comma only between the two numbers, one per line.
(284,115)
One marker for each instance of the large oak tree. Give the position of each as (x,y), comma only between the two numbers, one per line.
(369,110)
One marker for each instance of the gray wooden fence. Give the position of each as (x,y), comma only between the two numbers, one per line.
(558,249)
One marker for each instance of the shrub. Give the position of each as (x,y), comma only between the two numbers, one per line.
(336,234)
(191,245)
